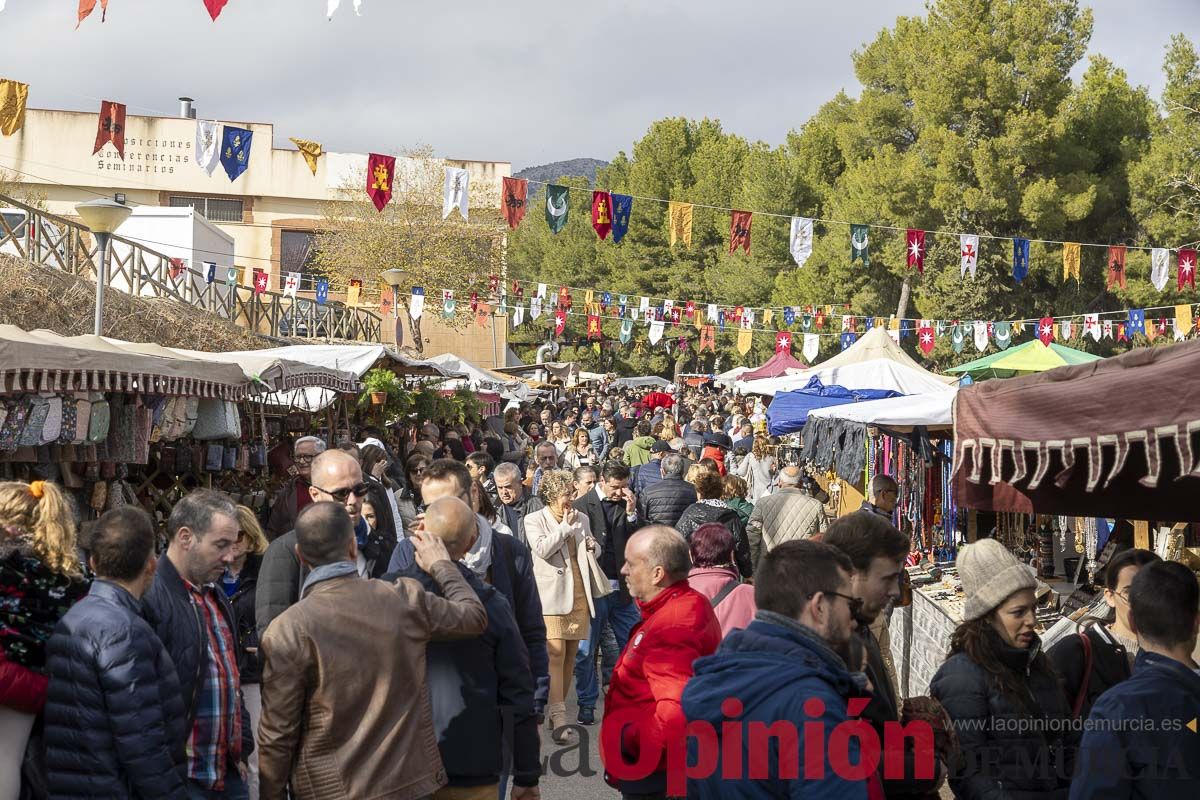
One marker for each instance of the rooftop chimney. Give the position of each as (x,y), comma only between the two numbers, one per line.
(185,108)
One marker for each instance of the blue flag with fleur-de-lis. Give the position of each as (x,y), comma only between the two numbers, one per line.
(235,151)
(1020,267)
(1137,322)
(622,207)
(322,292)
(789,316)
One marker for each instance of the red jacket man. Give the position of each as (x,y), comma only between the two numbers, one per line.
(642,712)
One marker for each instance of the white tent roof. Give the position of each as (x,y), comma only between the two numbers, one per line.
(931,410)
(873,345)
(880,373)
(730,376)
(643,381)
(453,364)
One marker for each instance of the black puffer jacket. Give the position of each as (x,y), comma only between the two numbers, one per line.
(999,737)
(664,502)
(242,601)
(1110,666)
(701,512)
(115,724)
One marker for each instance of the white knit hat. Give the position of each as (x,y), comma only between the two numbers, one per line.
(989,575)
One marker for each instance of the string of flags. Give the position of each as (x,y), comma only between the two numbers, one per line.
(214,8)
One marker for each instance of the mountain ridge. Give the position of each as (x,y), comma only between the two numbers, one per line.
(575,167)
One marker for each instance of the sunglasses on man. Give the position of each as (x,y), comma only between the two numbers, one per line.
(341,495)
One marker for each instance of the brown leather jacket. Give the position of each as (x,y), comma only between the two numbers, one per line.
(345,713)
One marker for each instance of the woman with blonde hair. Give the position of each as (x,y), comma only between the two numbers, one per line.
(561,539)
(670,429)
(240,582)
(580,453)
(758,469)
(40,579)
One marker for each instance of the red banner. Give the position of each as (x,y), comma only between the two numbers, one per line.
(515,194)
(602,213)
(381,170)
(111,127)
(739,231)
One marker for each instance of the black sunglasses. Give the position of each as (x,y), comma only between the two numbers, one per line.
(855,603)
(341,495)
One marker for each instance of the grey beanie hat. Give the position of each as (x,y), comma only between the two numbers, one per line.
(989,575)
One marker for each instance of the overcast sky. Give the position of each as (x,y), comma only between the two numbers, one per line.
(526,81)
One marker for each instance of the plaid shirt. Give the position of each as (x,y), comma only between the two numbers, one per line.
(217,731)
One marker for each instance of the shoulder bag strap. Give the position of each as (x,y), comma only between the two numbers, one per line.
(725,591)
(1088,661)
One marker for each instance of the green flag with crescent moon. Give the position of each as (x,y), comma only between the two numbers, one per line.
(556,207)
(859,237)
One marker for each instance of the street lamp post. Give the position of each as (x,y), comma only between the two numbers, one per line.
(393,278)
(102,217)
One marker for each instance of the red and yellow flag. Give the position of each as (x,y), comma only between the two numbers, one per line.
(381,170)
(602,213)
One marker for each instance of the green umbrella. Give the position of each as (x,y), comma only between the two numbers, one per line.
(1030,357)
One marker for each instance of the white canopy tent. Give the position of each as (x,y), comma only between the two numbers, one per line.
(933,410)
(875,374)
(729,377)
(643,382)
(507,386)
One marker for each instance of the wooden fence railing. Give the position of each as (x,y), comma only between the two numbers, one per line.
(133,268)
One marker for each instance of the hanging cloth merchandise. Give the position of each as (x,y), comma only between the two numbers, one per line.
(812,346)
(957,338)
(1160,260)
(981,336)
(800,240)
(744,340)
(656,331)
(208,145)
(968,247)
(311,152)
(1002,333)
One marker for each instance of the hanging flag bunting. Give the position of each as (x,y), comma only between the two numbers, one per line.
(622,305)
(291,284)
(626,331)
(656,331)
(819,320)
(1046,330)
(925,339)
(676,315)
(1187,267)
(1065,330)
(518,315)
(968,253)
(310,150)
(535,307)
(622,207)
(981,336)
(110,127)
(1159,262)
(482,314)
(381,170)
(1183,320)
(712,312)
(1091,326)
(679,222)
(260,281)
(602,213)
(564,298)
(208,145)
(1121,337)
(689,309)
(1116,267)
(846,326)
(744,340)
(915,242)
(957,337)
(449,308)
(386,296)
(1151,331)
(708,339)
(789,316)
(333,6)
(176,268)
(456,192)
(214,7)
(416,303)
(493,284)
(651,314)
(747,318)
(860,238)
(557,207)
(322,291)
(231,276)
(739,231)
(1002,332)
(86,7)
(800,240)
(812,347)
(1107,327)
(768,316)
(474,301)
(783,342)
(847,340)
(737,314)
(1137,322)
(518,291)
(1071,260)
(13,96)
(721,319)
(353,293)
(210,271)
(235,150)
(515,192)
(593,327)
(541,290)
(1020,264)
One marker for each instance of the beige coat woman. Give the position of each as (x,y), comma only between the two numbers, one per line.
(550,541)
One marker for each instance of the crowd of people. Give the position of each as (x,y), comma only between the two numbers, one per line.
(417,609)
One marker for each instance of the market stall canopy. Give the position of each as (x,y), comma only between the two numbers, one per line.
(43,361)
(274,374)
(874,345)
(729,377)
(1025,359)
(779,364)
(789,411)
(1111,438)
(901,414)
(879,373)
(642,382)
(453,364)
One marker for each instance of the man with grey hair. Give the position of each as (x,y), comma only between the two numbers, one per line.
(664,502)
(196,625)
(788,514)
(545,455)
(515,502)
(678,626)
(294,496)
(883,496)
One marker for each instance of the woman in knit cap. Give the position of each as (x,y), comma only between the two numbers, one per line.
(999,688)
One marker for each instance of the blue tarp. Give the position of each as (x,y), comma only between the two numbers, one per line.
(789,410)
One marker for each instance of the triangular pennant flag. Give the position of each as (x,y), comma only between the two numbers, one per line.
(87,6)
(656,331)
(1160,258)
(564,298)
(1002,333)
(915,243)
(800,240)
(708,338)
(291,284)
(626,331)
(602,213)
(456,192)
(235,150)
(860,238)
(1071,260)
(1106,327)
(1065,329)
(981,336)
(1045,330)
(449,308)
(925,339)
(416,303)
(848,340)
(968,253)
(679,222)
(744,341)
(557,207)
(593,327)
(111,127)
(214,7)
(176,268)
(535,307)
(739,230)
(1121,333)
(208,145)
(515,192)
(210,272)
(13,97)
(1091,326)
(1116,267)
(311,152)
(322,292)
(812,347)
(1187,267)
(231,276)
(622,208)
(957,338)
(783,342)
(1020,264)
(518,314)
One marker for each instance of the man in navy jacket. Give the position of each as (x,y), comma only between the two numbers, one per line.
(1141,739)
